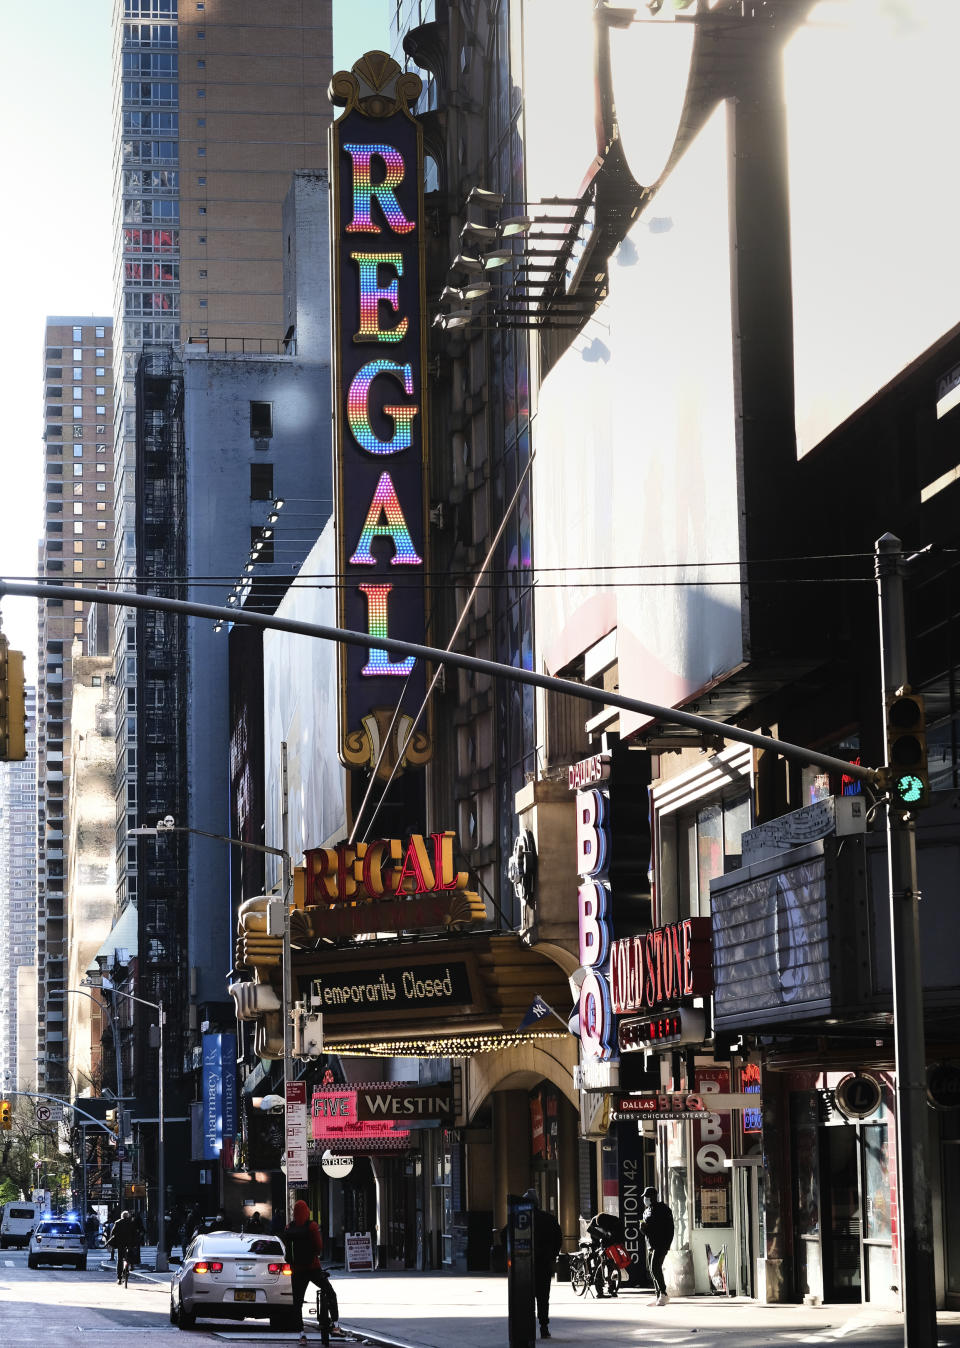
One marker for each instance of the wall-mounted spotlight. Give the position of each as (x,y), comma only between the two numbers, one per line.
(483,196)
(467,263)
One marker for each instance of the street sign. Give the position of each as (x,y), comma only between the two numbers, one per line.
(43,1113)
(52,1113)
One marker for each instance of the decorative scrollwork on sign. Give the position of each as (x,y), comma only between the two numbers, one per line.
(522,866)
(376,86)
(363,748)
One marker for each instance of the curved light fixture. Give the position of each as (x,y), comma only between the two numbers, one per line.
(499,257)
(483,233)
(476,290)
(467,263)
(485,197)
(516,224)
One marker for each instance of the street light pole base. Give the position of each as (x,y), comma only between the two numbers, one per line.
(162,1264)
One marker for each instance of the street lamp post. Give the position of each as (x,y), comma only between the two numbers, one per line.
(118,1056)
(167,825)
(162,1264)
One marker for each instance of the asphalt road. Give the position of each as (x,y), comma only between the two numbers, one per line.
(431,1310)
(61,1305)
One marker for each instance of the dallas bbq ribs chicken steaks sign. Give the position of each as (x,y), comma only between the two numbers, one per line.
(376,165)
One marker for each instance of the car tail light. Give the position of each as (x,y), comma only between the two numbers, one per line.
(279,1268)
(208,1266)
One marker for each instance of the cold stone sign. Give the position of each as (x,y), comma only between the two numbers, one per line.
(376,164)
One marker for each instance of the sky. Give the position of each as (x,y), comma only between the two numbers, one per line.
(55,229)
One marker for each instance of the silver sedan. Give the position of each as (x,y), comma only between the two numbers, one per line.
(229,1276)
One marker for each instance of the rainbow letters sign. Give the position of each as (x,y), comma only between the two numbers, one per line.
(376,166)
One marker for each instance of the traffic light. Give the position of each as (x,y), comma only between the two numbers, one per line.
(907,749)
(13,728)
(6,1115)
(111,1120)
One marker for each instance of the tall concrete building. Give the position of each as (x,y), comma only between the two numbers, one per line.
(76,547)
(18,886)
(217,105)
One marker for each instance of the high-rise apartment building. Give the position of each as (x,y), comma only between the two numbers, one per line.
(77,548)
(18,886)
(217,105)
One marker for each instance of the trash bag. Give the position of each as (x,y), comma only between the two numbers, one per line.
(717,1270)
(678,1272)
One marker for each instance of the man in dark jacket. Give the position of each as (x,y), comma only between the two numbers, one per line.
(124,1239)
(304,1246)
(547,1240)
(657,1227)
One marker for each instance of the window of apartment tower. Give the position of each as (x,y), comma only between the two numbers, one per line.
(261,482)
(261,420)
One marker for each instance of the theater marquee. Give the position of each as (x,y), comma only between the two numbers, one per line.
(376,168)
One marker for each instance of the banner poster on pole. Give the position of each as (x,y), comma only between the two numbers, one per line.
(296,1132)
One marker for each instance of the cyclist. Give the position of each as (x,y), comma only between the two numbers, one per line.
(304,1245)
(124,1239)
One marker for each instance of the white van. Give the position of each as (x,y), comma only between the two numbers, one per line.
(18,1221)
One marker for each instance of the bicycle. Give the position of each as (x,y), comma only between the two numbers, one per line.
(593,1269)
(327,1309)
(124,1266)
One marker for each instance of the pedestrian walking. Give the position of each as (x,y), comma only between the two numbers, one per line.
(547,1241)
(304,1246)
(657,1228)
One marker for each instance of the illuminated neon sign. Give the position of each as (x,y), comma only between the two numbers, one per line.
(376,166)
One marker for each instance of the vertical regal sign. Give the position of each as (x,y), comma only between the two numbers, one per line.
(379,346)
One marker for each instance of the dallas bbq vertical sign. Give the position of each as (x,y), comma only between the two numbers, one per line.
(379,351)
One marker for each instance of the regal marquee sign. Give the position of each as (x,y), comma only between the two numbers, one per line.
(376,168)
(386,885)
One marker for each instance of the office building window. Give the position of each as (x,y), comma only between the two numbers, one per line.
(100,352)
(78,470)
(78,334)
(99,332)
(78,411)
(77,451)
(100,392)
(78,353)
(77,506)
(201,150)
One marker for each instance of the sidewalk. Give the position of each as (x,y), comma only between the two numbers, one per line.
(442,1310)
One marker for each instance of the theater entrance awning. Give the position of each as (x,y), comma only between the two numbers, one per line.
(426,998)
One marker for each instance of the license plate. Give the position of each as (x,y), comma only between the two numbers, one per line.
(244,1294)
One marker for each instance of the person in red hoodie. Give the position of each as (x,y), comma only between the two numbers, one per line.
(304,1246)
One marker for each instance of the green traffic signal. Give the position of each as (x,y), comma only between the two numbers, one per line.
(907,748)
(910,789)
